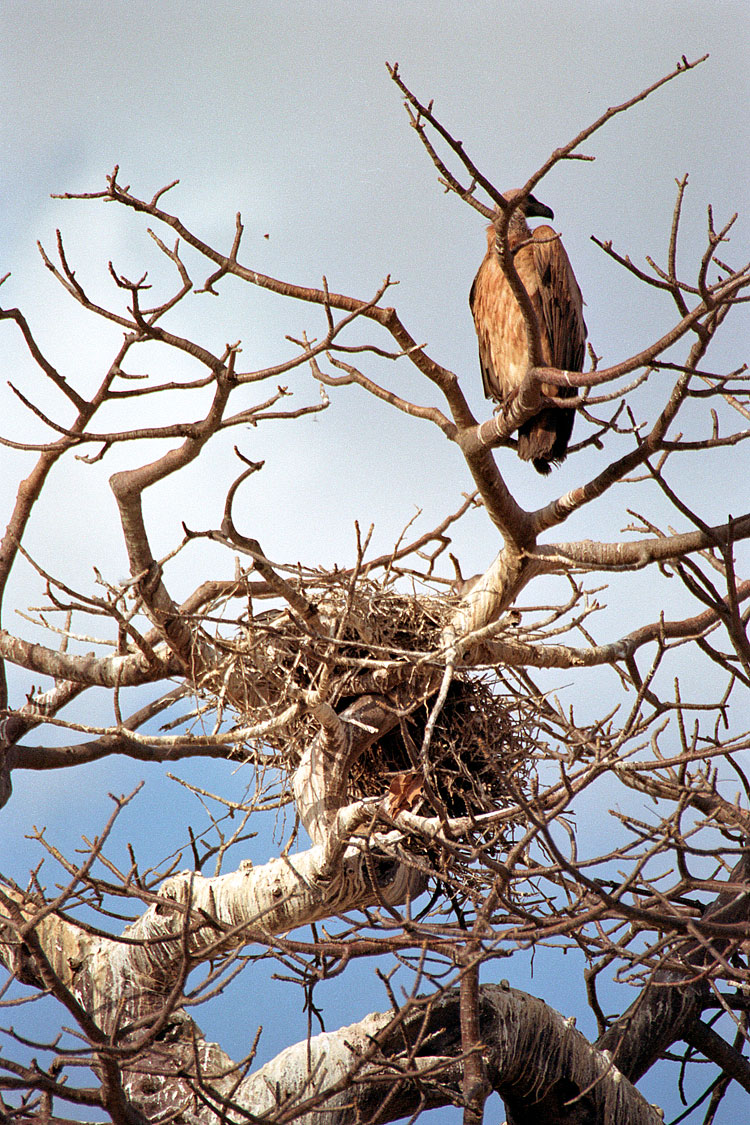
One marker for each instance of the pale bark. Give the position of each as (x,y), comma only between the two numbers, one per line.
(385,1067)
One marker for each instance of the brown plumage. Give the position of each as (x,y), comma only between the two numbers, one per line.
(548,278)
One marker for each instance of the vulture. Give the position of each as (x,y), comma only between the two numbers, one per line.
(548,278)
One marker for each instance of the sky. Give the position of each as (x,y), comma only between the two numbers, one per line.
(285,112)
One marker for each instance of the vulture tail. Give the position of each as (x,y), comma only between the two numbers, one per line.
(543,439)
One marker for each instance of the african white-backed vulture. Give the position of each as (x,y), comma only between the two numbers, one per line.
(547,276)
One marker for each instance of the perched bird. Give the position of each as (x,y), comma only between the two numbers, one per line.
(548,278)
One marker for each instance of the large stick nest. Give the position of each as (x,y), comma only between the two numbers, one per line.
(375,639)
(478,757)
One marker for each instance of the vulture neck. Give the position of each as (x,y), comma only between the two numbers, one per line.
(518,231)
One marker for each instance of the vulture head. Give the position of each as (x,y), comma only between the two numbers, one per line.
(530,206)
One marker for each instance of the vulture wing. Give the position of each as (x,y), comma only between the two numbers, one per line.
(501,332)
(561,301)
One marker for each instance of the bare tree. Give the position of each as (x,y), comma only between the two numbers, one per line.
(397,709)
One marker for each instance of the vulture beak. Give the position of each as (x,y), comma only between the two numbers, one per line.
(536,210)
